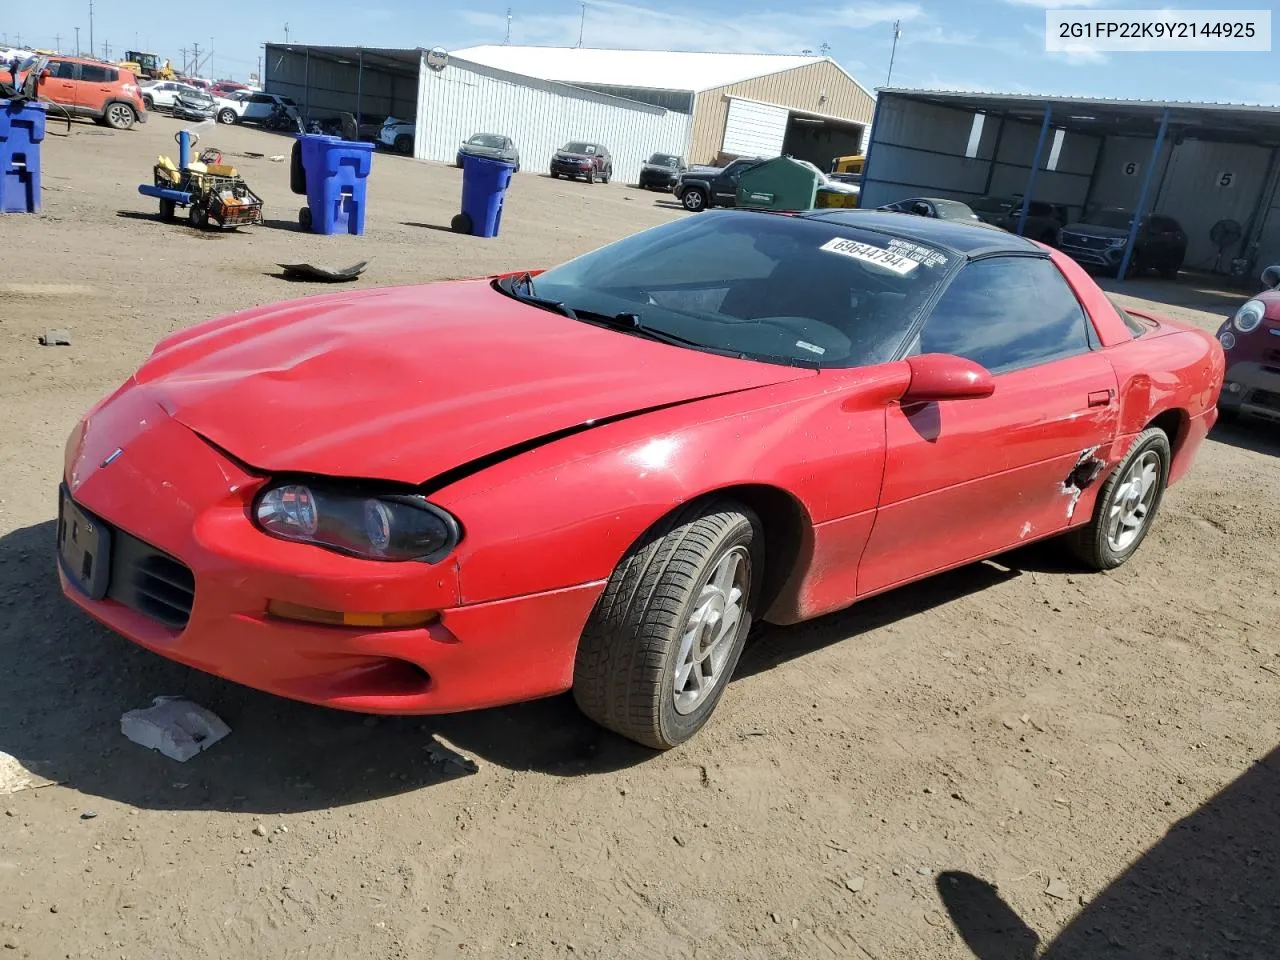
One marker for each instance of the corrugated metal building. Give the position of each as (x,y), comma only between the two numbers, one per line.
(1200,163)
(704,106)
(740,104)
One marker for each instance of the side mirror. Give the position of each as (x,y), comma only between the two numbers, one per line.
(45,75)
(943,376)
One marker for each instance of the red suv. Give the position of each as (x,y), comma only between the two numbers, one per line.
(93,89)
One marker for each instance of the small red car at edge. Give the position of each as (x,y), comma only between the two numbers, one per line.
(1251,340)
(463,494)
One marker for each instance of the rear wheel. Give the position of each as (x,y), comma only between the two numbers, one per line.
(461,223)
(1127,504)
(304,218)
(148,103)
(404,144)
(120,116)
(608,174)
(167,209)
(665,636)
(198,216)
(554,175)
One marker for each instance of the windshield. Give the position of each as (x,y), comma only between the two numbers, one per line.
(779,289)
(664,160)
(954,210)
(586,149)
(1117,219)
(487,140)
(992,205)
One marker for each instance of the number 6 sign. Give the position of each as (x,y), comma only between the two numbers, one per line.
(1131,168)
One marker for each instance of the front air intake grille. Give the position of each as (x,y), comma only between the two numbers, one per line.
(151,582)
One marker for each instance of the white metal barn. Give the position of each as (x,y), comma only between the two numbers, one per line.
(707,107)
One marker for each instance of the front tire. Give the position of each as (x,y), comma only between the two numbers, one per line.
(665,636)
(404,144)
(227,117)
(694,200)
(1127,504)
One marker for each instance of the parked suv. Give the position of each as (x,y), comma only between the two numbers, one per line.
(245,106)
(1044,220)
(661,171)
(1098,240)
(93,89)
(704,187)
(578,158)
(162,93)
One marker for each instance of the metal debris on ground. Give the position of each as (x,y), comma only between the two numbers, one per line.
(174,726)
(309,271)
(438,752)
(278,158)
(55,338)
(1057,889)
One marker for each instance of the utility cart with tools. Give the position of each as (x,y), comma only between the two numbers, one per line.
(214,193)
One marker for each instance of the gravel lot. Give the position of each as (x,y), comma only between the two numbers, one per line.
(1015,721)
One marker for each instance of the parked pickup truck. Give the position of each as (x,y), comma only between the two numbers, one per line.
(703,187)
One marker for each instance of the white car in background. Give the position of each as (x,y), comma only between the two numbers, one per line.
(160,94)
(251,106)
(398,134)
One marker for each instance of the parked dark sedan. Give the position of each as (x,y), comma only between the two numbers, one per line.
(935,207)
(1044,220)
(578,158)
(1098,240)
(661,171)
(490,146)
(194,104)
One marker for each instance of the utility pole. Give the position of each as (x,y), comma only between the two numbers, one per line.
(259,73)
(508,40)
(195,59)
(77,41)
(19,40)
(57,43)
(582,24)
(106,49)
(91,28)
(897,32)
(286,33)
(212,75)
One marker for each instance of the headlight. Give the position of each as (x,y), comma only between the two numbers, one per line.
(1227,339)
(382,526)
(1249,316)
(1117,241)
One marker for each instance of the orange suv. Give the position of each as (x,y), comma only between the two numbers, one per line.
(95,90)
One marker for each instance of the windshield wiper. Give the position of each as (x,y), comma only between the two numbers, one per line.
(631,323)
(526,281)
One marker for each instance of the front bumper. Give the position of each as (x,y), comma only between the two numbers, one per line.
(171,491)
(568,169)
(1100,257)
(657,180)
(1252,388)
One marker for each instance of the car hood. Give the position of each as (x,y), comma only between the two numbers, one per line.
(1095,230)
(484,151)
(406,383)
(661,168)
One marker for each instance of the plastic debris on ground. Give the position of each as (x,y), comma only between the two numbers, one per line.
(174,726)
(55,338)
(308,271)
(441,753)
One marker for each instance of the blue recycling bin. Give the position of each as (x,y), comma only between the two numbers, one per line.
(21,133)
(484,188)
(337,174)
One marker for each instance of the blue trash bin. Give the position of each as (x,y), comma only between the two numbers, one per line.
(484,188)
(21,133)
(337,173)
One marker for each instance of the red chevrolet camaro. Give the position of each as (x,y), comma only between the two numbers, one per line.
(457,495)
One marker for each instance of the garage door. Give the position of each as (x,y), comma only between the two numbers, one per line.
(754,129)
(1208,182)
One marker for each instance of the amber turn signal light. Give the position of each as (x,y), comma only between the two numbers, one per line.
(338,618)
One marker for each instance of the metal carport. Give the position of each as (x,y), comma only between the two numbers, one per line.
(1199,163)
(371,84)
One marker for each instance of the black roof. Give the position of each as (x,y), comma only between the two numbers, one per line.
(962,238)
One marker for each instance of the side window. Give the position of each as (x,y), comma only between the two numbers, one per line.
(92,73)
(63,70)
(260,98)
(1007,313)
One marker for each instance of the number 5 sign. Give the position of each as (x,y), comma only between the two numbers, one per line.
(1224,179)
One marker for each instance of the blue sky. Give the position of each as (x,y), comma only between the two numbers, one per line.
(995,45)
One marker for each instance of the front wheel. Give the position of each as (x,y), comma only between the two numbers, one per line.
(198,216)
(404,144)
(665,636)
(694,200)
(1127,504)
(226,116)
(591,176)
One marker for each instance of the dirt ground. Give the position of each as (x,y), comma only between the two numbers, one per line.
(1013,723)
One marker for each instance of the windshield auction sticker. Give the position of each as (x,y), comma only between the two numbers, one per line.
(1135,31)
(888,259)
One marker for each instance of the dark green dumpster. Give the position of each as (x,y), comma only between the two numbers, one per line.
(779,184)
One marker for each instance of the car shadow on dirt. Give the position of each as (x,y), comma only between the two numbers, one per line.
(65,681)
(1206,889)
(771,646)
(1248,433)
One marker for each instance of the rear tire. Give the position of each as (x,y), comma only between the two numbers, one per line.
(119,116)
(148,103)
(168,209)
(461,223)
(665,636)
(404,144)
(1124,512)
(694,200)
(198,216)
(304,218)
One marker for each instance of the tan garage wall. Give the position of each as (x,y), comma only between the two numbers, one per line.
(799,89)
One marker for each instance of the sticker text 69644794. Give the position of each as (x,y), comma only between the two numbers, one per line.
(867,253)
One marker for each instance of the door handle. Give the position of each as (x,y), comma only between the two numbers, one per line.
(1100,398)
